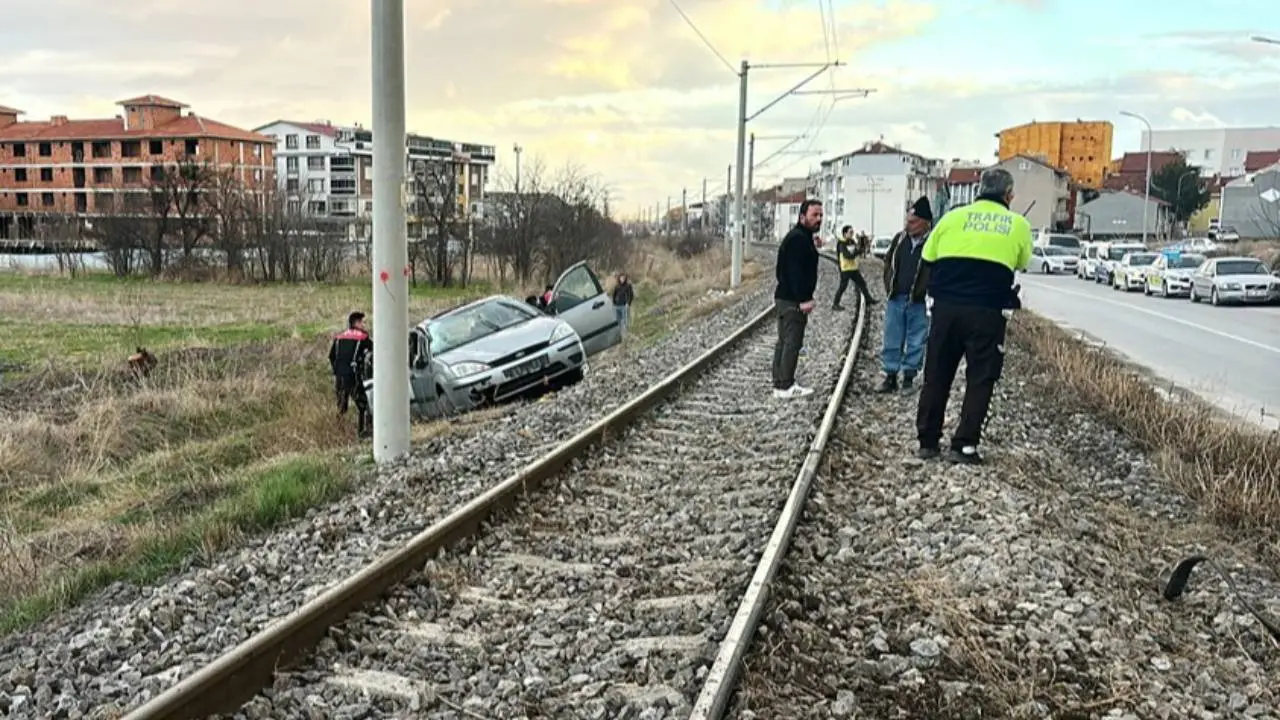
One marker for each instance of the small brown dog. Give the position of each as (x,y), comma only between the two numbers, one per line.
(141,362)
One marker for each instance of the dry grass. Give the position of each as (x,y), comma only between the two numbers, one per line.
(1268,251)
(106,476)
(1232,470)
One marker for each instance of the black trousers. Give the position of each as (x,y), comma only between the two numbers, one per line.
(858,281)
(786,353)
(349,387)
(975,334)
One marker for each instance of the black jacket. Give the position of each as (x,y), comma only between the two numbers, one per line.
(797,270)
(890,269)
(623,294)
(349,351)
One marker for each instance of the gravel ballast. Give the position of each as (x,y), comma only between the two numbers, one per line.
(125,644)
(1026,588)
(606,595)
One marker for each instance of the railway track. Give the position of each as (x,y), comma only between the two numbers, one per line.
(625,585)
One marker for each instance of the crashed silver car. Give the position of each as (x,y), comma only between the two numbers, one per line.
(1234,280)
(499,348)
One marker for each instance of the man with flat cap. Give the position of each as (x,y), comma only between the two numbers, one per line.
(906,324)
(968,268)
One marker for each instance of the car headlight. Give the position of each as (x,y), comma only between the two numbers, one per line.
(1230,286)
(467,369)
(562,331)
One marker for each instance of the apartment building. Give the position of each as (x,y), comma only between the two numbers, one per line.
(1216,151)
(871,187)
(88,167)
(1082,148)
(326,170)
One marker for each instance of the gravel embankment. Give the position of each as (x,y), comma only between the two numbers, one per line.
(122,646)
(1028,588)
(606,595)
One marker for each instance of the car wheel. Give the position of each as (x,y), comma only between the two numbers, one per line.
(1164,290)
(1146,288)
(1213,297)
(1044,268)
(1192,296)
(445,408)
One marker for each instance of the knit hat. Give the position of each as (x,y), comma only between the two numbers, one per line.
(922,209)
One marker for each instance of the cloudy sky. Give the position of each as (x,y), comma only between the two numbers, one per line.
(626,89)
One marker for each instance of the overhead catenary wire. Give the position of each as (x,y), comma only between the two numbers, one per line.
(693,26)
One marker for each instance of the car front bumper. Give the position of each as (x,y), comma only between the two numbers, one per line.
(1177,286)
(517,378)
(1248,296)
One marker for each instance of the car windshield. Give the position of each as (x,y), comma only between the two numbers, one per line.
(1187,262)
(1142,259)
(1091,251)
(1116,253)
(1067,241)
(468,324)
(1059,251)
(1242,267)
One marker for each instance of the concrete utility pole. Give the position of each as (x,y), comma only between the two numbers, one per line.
(750,216)
(735,275)
(518,150)
(1146,205)
(666,219)
(390,241)
(684,210)
(702,216)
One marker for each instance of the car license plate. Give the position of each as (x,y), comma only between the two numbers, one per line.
(527,368)
(1256,293)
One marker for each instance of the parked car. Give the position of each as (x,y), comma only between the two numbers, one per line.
(1170,275)
(498,348)
(1052,260)
(1227,234)
(1131,272)
(1109,254)
(880,246)
(1234,280)
(1088,263)
(1045,238)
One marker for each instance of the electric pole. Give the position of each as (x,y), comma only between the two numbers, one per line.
(684,210)
(702,216)
(735,276)
(390,241)
(751,200)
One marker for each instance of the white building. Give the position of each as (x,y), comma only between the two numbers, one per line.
(872,187)
(1218,151)
(786,213)
(327,170)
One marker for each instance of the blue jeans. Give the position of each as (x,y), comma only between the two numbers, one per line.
(623,314)
(906,328)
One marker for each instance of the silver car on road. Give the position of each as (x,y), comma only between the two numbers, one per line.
(1234,280)
(1053,260)
(498,348)
(1170,275)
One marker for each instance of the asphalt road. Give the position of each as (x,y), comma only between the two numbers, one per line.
(1229,355)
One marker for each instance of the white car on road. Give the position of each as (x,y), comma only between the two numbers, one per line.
(1052,260)
(1131,272)
(1088,263)
(1170,275)
(1109,255)
(1234,280)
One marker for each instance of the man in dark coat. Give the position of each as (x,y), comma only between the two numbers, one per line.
(797,276)
(347,356)
(906,322)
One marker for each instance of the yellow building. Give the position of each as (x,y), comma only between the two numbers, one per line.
(1081,148)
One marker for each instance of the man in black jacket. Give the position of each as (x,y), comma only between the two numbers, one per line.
(347,355)
(797,275)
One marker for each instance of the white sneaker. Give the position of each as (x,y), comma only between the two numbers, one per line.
(796,390)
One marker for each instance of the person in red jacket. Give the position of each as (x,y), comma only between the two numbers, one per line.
(348,354)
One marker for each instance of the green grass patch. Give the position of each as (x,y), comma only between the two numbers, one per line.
(260,498)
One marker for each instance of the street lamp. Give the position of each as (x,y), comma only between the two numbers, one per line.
(1146,204)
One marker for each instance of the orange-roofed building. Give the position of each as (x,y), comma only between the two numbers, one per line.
(64,166)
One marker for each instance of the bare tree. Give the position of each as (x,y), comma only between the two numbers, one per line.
(437,246)
(581,229)
(517,223)
(182,195)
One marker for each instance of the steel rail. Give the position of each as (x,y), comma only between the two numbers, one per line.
(237,675)
(722,679)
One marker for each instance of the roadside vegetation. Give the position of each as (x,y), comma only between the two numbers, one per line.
(1230,468)
(107,475)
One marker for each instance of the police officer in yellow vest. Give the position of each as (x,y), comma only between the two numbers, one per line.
(967,268)
(848,248)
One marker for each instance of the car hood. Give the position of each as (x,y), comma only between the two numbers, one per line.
(504,342)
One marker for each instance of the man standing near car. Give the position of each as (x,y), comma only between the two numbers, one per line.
(848,249)
(797,277)
(906,323)
(347,356)
(968,268)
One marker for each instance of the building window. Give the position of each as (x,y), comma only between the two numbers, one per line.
(315,162)
(290,142)
(257,176)
(19,149)
(316,207)
(257,151)
(313,142)
(315,185)
(295,207)
(191,146)
(1235,153)
(291,165)
(101,175)
(46,149)
(46,199)
(131,148)
(131,175)
(1024,165)
(156,147)
(101,149)
(46,174)
(157,173)
(291,185)
(20,175)
(1208,154)
(22,199)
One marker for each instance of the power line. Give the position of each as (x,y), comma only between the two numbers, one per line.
(704,39)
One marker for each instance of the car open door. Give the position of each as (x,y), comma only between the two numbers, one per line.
(422,387)
(579,299)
